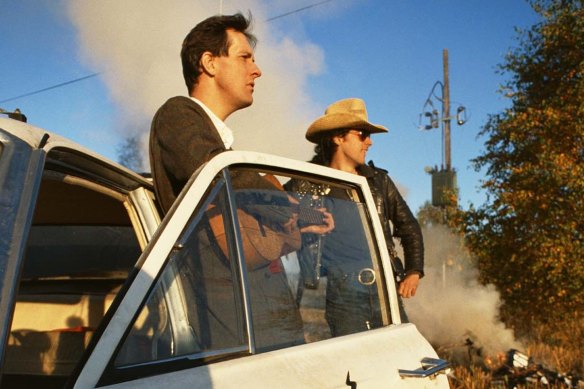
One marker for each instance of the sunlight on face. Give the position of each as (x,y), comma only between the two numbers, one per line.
(237,72)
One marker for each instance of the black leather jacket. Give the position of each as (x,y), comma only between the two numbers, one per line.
(392,207)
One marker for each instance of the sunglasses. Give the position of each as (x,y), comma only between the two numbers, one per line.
(363,135)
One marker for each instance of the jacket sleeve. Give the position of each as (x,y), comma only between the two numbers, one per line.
(184,137)
(406,227)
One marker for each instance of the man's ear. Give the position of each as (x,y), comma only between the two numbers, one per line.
(208,64)
(337,139)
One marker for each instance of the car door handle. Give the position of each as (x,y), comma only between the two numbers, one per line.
(430,367)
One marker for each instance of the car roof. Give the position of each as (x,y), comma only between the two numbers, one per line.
(65,151)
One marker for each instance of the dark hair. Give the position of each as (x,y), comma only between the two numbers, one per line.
(326,148)
(210,35)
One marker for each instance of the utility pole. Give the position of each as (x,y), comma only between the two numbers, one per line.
(443,178)
(446,113)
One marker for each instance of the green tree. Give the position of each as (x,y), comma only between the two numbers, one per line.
(528,237)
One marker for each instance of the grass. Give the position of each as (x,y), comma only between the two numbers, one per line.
(552,348)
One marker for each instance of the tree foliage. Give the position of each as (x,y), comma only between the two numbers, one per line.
(451,216)
(129,153)
(528,237)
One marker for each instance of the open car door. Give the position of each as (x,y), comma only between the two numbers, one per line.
(233,292)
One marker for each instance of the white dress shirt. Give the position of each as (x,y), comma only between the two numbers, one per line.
(224,132)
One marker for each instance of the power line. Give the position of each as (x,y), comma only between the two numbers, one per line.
(97,74)
(298,10)
(51,87)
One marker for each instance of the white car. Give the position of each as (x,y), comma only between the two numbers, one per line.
(99,290)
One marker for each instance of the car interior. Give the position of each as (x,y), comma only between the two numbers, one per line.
(81,247)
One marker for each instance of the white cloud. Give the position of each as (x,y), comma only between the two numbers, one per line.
(136,46)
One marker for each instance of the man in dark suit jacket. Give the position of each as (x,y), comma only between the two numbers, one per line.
(220,72)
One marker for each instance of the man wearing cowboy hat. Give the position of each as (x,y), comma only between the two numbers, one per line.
(342,137)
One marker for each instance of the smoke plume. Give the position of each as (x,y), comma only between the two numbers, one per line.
(136,47)
(451,307)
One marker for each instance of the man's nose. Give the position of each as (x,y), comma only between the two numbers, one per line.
(256,71)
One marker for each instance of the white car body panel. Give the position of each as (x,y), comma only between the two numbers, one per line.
(369,359)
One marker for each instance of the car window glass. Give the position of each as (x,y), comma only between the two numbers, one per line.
(195,307)
(334,283)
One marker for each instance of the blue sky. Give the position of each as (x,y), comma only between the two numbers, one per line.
(387,52)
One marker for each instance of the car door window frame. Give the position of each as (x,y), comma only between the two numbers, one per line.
(23,177)
(157,252)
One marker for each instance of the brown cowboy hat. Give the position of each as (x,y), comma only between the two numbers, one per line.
(348,113)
